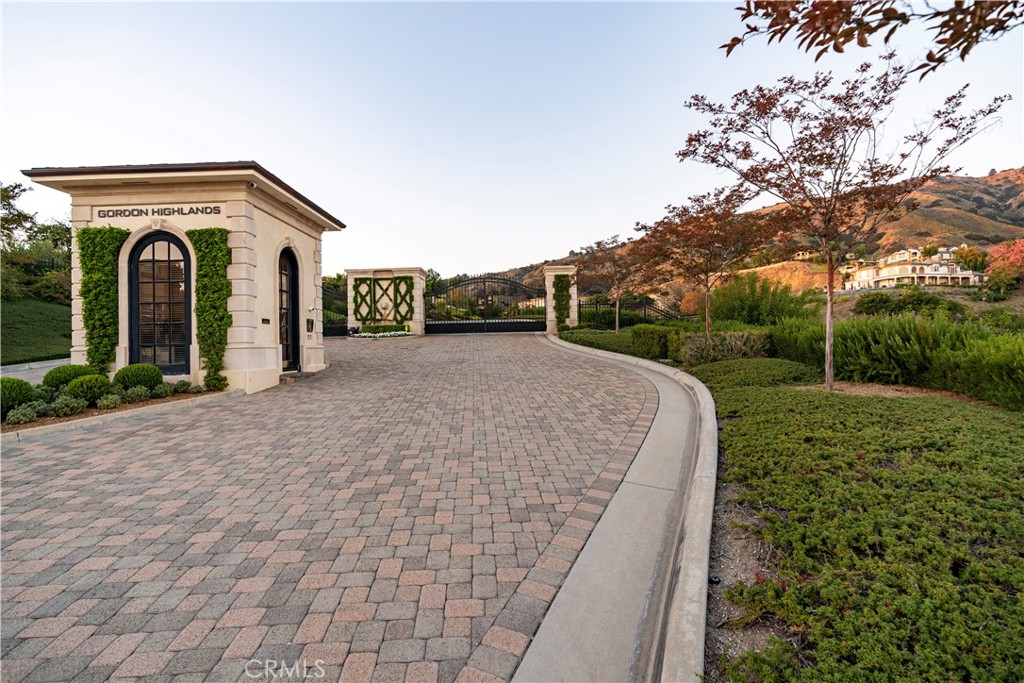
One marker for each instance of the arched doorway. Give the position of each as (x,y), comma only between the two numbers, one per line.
(160,303)
(288,309)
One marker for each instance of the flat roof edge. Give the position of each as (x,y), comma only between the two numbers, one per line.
(197,167)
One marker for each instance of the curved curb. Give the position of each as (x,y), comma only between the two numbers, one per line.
(679,650)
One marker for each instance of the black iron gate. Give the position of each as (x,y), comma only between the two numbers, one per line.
(485,303)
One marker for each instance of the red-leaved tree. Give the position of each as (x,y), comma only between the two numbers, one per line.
(817,146)
(704,240)
(825,25)
(610,265)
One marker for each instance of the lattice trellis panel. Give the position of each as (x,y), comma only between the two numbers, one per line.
(362,299)
(383,299)
(403,296)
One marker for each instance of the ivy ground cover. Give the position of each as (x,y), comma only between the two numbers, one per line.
(897,526)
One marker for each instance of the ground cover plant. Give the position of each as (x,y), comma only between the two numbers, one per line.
(896,526)
(34,330)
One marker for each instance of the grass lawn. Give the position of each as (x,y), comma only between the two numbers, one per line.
(897,526)
(33,330)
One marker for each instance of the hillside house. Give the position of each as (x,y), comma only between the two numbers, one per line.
(910,267)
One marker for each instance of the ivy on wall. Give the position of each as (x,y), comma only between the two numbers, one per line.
(382,299)
(98,252)
(563,297)
(213,256)
(403,298)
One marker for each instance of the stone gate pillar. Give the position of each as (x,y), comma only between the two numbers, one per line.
(549,287)
(381,295)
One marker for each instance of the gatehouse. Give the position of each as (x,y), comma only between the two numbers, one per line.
(179,248)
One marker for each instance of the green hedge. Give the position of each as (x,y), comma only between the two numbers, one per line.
(916,351)
(213,256)
(605,340)
(650,341)
(98,251)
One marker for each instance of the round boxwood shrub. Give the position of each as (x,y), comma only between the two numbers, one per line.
(136,394)
(21,415)
(65,406)
(13,393)
(63,374)
(182,386)
(139,375)
(89,388)
(162,390)
(108,401)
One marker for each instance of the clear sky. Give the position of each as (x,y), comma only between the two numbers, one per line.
(461,137)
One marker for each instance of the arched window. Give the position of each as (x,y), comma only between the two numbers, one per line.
(160,303)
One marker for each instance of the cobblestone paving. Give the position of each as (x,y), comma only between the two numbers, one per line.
(409,513)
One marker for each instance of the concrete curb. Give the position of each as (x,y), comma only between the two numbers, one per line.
(681,629)
(33,433)
(35,365)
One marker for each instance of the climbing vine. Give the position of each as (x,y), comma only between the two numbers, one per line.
(213,256)
(98,251)
(381,299)
(563,297)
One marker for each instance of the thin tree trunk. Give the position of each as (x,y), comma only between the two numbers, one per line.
(829,307)
(707,313)
(618,295)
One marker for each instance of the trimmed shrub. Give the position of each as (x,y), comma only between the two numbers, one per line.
(44,393)
(21,415)
(109,401)
(379,329)
(182,386)
(197,389)
(650,341)
(61,375)
(139,375)
(216,382)
(601,339)
(89,388)
(696,349)
(65,406)
(13,393)
(162,390)
(135,394)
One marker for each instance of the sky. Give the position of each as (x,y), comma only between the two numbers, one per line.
(464,137)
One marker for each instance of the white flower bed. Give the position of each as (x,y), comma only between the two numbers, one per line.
(379,335)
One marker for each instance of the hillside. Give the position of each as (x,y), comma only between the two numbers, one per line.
(953,210)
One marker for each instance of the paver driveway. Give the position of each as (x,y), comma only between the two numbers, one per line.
(408,513)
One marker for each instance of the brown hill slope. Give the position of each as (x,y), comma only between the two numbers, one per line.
(953,210)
